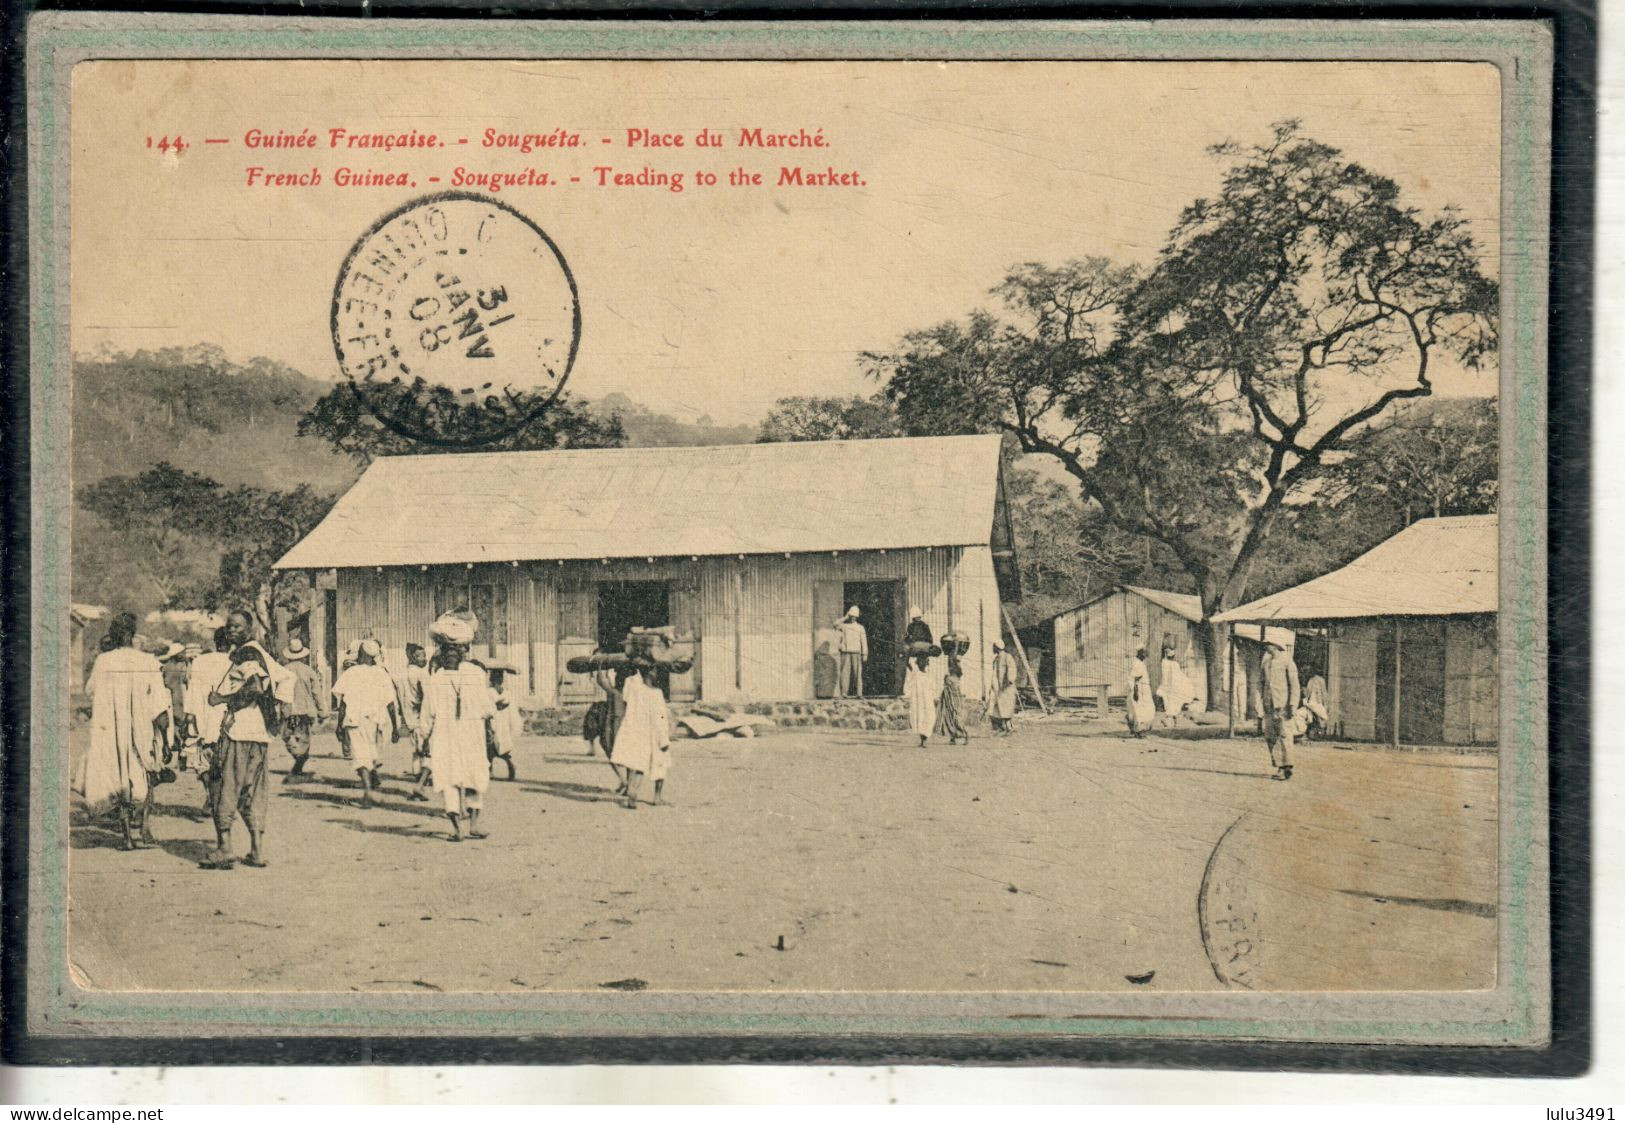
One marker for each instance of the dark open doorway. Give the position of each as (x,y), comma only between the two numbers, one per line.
(624,605)
(1421,682)
(881,606)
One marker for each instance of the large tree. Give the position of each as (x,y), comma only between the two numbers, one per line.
(182,519)
(150,519)
(346,421)
(829,419)
(1194,401)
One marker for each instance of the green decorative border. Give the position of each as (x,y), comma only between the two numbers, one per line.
(1516,1012)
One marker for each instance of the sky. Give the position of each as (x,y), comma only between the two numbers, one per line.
(714,300)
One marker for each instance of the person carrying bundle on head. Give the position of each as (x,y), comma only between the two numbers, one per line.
(457,702)
(643,740)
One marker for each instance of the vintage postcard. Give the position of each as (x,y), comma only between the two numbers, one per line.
(925,531)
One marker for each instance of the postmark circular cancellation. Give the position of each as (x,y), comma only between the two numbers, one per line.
(456,319)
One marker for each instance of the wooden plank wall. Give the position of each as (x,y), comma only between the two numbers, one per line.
(767,602)
(1096,643)
(1472,688)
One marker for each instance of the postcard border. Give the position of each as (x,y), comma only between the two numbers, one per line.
(59,41)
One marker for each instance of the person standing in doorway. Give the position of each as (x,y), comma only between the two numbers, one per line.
(305,708)
(366,706)
(852,653)
(1001,703)
(1279,693)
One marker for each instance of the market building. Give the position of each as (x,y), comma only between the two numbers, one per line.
(752,552)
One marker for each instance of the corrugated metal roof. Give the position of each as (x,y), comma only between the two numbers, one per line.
(1434,567)
(660,502)
(1187,605)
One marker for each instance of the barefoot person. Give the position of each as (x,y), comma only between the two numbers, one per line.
(365,695)
(951,705)
(1177,691)
(249,692)
(509,724)
(921,694)
(1142,710)
(409,697)
(1001,705)
(128,703)
(643,740)
(457,703)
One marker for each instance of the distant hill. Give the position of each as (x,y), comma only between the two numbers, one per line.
(236,423)
(647,429)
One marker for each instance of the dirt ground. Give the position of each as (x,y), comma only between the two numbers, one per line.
(1066,857)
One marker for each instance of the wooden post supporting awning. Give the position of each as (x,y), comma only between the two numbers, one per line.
(1399,635)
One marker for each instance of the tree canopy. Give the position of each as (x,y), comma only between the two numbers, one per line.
(1195,399)
(352,426)
(829,419)
(183,519)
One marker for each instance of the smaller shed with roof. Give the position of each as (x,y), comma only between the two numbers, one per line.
(1090,647)
(1410,627)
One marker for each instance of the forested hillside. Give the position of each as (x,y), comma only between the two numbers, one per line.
(236,424)
(202,413)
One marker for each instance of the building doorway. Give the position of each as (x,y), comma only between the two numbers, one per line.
(624,605)
(881,606)
(1421,682)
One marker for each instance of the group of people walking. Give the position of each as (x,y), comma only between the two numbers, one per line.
(225,706)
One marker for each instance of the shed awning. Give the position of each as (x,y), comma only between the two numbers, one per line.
(1434,567)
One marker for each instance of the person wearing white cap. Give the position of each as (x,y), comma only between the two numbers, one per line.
(1280,695)
(305,709)
(365,695)
(457,702)
(852,652)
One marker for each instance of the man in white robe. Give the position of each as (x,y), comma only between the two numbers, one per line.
(643,738)
(921,691)
(1177,691)
(129,710)
(1002,699)
(366,699)
(457,702)
(1142,711)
